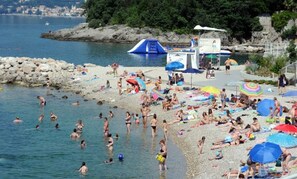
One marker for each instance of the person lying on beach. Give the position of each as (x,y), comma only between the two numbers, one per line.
(238,140)
(234,173)
(179,114)
(286,155)
(219,155)
(159,80)
(211,117)
(203,121)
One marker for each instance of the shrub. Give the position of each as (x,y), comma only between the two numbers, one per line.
(94,23)
(280,19)
(289,33)
(279,63)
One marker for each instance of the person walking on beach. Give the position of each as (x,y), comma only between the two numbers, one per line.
(282,82)
(200,145)
(227,66)
(42,101)
(128,121)
(165,129)
(83,169)
(120,86)
(277,108)
(154,125)
(163,152)
(223,96)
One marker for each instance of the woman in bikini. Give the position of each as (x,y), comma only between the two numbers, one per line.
(179,115)
(211,116)
(163,152)
(277,107)
(128,121)
(154,125)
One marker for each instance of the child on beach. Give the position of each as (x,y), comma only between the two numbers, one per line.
(137,119)
(200,145)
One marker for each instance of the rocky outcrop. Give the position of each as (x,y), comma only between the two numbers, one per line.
(35,71)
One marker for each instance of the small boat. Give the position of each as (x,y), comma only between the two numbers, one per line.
(47,23)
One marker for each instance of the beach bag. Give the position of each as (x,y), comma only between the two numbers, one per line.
(160,158)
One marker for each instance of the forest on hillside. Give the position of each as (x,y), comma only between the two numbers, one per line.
(238,17)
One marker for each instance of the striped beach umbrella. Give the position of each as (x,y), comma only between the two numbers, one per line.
(251,89)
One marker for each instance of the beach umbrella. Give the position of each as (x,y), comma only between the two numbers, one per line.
(263,107)
(284,140)
(141,83)
(290,94)
(251,89)
(233,62)
(132,81)
(192,70)
(211,90)
(287,128)
(266,152)
(174,66)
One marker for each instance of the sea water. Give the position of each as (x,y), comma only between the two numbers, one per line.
(20,36)
(27,152)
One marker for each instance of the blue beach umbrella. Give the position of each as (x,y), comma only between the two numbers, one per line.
(174,66)
(266,152)
(290,94)
(192,70)
(284,140)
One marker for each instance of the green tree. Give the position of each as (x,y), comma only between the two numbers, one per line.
(292,52)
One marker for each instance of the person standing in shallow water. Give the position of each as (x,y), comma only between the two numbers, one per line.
(42,101)
(106,127)
(154,125)
(163,152)
(128,121)
(83,169)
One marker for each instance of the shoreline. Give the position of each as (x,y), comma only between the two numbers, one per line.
(62,75)
(27,15)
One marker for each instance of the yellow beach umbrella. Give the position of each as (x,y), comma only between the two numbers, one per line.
(232,61)
(211,90)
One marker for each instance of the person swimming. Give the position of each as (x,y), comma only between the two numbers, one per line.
(17,120)
(42,101)
(41,117)
(111,115)
(57,126)
(109,161)
(83,169)
(82,144)
(75,103)
(101,115)
(74,134)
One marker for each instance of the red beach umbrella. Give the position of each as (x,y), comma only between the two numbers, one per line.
(132,81)
(286,128)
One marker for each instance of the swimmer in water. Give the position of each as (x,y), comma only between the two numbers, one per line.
(42,101)
(53,117)
(83,169)
(83,144)
(101,115)
(57,126)
(41,117)
(17,120)
(110,161)
(116,136)
(74,134)
(37,126)
(110,142)
(111,114)
(75,103)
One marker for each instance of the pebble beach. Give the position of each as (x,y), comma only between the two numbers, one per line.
(91,85)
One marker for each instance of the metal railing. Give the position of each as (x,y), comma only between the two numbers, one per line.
(275,49)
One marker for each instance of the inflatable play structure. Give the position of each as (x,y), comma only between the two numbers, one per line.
(264,105)
(150,46)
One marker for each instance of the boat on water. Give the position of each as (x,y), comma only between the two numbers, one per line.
(47,23)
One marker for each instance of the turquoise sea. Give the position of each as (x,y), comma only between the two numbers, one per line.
(26,152)
(49,153)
